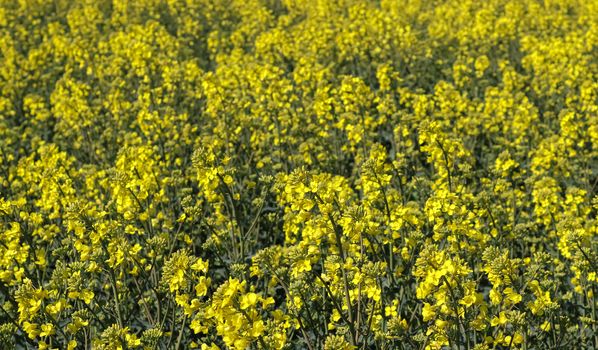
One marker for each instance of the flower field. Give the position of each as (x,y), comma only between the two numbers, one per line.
(298,174)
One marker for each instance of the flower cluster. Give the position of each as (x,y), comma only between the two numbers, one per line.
(298,174)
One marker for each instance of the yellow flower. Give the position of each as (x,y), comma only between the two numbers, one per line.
(132,340)
(76,324)
(512,296)
(72,345)
(469,299)
(201,288)
(32,329)
(200,266)
(428,312)
(47,329)
(248,300)
(500,320)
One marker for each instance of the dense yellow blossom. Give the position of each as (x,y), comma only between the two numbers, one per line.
(298,174)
